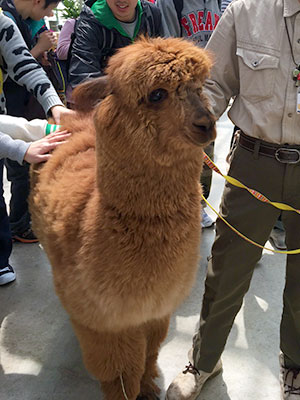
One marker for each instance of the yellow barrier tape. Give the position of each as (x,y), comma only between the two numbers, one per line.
(258,196)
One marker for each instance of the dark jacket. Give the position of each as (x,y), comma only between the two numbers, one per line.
(96,39)
(8,6)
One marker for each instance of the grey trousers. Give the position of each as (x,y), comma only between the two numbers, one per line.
(233,259)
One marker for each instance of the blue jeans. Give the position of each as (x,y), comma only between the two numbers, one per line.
(19,216)
(5,235)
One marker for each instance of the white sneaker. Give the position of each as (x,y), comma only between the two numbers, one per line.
(188,384)
(289,381)
(7,275)
(206,221)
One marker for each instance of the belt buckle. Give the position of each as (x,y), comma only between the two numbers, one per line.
(284,150)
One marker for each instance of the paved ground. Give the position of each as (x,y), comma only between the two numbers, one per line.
(40,357)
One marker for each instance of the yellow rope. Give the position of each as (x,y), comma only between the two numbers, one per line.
(297,251)
(258,196)
(254,193)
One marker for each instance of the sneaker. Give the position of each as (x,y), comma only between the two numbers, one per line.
(188,384)
(7,275)
(277,238)
(289,381)
(206,221)
(26,237)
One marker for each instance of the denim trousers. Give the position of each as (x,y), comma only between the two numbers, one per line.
(233,258)
(5,235)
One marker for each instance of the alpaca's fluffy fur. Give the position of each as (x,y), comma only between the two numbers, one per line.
(117,208)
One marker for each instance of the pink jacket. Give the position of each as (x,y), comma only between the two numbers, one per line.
(64,39)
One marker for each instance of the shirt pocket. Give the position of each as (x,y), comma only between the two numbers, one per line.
(257,74)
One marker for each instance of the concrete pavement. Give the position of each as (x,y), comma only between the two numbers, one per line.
(40,357)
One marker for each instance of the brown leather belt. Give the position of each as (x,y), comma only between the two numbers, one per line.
(287,154)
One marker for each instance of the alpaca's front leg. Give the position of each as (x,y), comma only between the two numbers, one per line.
(117,360)
(155,332)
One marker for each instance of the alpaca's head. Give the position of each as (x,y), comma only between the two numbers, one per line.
(154,98)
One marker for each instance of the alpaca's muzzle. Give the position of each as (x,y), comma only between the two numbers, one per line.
(203,130)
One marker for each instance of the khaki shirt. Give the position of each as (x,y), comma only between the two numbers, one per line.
(253,62)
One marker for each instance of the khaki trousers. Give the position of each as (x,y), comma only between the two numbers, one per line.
(233,259)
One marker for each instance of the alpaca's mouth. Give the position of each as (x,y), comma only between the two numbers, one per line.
(201,135)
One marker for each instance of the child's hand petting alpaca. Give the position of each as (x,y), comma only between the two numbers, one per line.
(39,151)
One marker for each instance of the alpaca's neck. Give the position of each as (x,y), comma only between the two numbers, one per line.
(149,191)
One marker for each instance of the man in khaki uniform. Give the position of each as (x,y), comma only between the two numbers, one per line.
(257,50)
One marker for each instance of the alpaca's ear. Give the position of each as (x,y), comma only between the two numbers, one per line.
(88,94)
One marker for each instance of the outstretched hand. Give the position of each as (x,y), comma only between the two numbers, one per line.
(39,151)
(58,111)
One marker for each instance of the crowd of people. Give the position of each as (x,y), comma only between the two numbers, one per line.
(256,67)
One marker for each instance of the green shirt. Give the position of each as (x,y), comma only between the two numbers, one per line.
(106,17)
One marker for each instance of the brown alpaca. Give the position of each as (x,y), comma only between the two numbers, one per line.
(117,208)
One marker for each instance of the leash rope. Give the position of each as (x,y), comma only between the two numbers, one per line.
(258,196)
(123,387)
(297,251)
(254,193)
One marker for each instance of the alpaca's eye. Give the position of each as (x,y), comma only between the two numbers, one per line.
(158,95)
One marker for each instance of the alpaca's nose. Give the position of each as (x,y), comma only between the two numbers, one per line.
(202,129)
(204,124)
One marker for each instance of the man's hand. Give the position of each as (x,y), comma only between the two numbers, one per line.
(58,111)
(39,151)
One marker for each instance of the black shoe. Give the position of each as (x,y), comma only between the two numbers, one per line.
(25,237)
